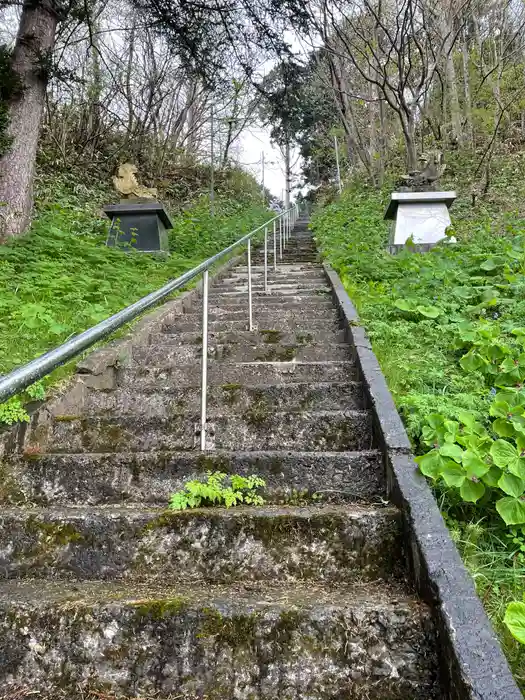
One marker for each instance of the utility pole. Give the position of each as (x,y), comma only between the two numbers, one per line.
(339,185)
(212,166)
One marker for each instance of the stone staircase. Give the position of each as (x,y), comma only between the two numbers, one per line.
(106,594)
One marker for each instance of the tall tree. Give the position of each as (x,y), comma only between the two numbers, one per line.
(31,61)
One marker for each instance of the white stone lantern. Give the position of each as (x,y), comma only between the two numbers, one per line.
(421,216)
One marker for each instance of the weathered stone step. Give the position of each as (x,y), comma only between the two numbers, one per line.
(151,477)
(281,268)
(268,336)
(226,399)
(220,373)
(337,543)
(215,642)
(273,313)
(273,278)
(259,428)
(262,321)
(291,301)
(296,287)
(291,256)
(291,291)
(162,355)
(283,271)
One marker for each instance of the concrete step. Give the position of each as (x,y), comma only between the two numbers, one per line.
(229,399)
(284,301)
(268,336)
(274,287)
(151,477)
(260,320)
(291,256)
(162,355)
(281,268)
(329,543)
(259,428)
(314,273)
(290,291)
(221,373)
(265,643)
(272,312)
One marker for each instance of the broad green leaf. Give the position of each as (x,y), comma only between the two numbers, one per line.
(472,361)
(451,450)
(474,465)
(517,467)
(502,452)
(503,428)
(511,485)
(492,477)
(428,311)
(512,510)
(453,473)
(452,428)
(431,464)
(471,491)
(467,419)
(403,305)
(464,292)
(435,420)
(499,409)
(515,620)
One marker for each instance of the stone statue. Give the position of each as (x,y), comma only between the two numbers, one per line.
(425,179)
(126,184)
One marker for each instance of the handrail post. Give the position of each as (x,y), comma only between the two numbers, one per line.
(275,246)
(250,311)
(281,238)
(266,260)
(204,379)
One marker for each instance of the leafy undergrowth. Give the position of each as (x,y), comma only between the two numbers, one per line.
(60,278)
(448,328)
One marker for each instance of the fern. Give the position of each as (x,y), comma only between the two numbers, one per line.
(219,489)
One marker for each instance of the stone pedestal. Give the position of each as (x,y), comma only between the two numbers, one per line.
(422,216)
(141,225)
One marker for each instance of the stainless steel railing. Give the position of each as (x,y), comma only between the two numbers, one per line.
(286,223)
(22,377)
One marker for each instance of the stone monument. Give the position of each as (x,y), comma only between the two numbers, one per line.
(139,221)
(418,210)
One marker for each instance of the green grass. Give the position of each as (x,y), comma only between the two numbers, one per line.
(60,278)
(418,309)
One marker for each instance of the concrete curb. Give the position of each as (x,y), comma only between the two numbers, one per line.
(473,666)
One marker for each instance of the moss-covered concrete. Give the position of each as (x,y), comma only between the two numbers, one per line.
(267,644)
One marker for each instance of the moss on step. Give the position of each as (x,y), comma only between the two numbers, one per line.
(50,536)
(274,355)
(259,412)
(232,393)
(214,463)
(107,437)
(271,335)
(236,631)
(160,608)
(10,492)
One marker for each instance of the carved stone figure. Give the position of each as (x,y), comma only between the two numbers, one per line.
(126,184)
(425,179)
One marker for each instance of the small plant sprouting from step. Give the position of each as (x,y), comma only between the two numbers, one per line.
(219,489)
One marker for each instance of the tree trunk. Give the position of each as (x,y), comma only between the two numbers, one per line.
(466,87)
(453,99)
(409,132)
(34,43)
(288,172)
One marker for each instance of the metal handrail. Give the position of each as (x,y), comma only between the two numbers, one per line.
(22,377)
